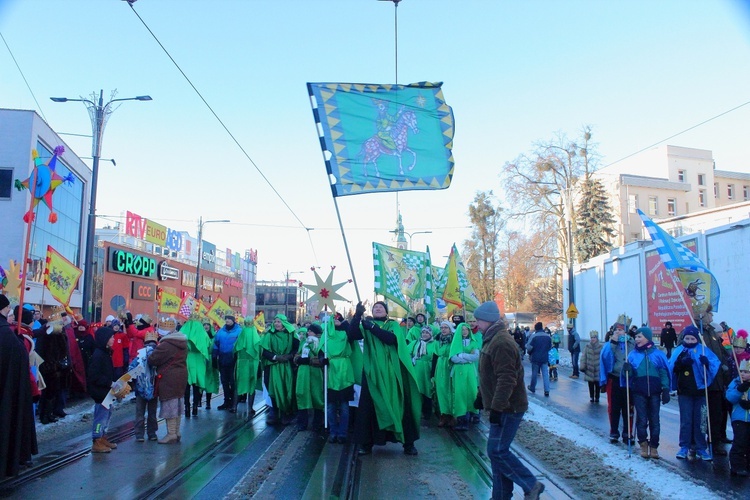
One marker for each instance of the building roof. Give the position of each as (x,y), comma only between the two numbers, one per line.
(653,182)
(742,176)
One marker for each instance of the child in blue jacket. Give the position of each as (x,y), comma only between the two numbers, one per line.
(690,379)
(737,394)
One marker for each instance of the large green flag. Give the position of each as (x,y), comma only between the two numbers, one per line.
(468,296)
(399,274)
(384,137)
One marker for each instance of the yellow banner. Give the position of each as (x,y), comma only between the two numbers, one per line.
(260,322)
(169,303)
(452,292)
(698,288)
(218,311)
(60,276)
(155,233)
(203,310)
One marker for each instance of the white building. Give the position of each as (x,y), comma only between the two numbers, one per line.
(668,181)
(22,131)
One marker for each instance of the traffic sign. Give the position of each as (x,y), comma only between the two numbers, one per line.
(572,311)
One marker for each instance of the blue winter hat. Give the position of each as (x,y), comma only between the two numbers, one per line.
(487,311)
(691,330)
(646,332)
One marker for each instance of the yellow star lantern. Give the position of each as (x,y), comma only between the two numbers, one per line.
(325,290)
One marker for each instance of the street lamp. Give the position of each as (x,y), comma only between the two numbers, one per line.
(410,235)
(201,223)
(99,114)
(286,299)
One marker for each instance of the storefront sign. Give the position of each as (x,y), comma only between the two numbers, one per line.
(208,256)
(147,230)
(166,272)
(142,290)
(233,282)
(155,233)
(122,261)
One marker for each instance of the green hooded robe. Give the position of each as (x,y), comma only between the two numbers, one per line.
(212,374)
(421,355)
(247,350)
(199,352)
(280,382)
(309,387)
(391,380)
(338,349)
(443,390)
(464,376)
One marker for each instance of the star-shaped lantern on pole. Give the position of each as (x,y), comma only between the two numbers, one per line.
(325,290)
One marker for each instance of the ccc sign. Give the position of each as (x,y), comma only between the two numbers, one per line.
(143,290)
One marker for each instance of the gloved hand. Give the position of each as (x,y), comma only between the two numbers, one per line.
(684,359)
(627,368)
(703,360)
(368,325)
(664,396)
(744,404)
(128,318)
(743,387)
(478,404)
(360,310)
(495,417)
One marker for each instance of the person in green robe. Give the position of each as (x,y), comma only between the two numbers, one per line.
(338,348)
(211,384)
(390,403)
(247,350)
(443,389)
(198,359)
(413,331)
(279,345)
(422,352)
(309,387)
(464,353)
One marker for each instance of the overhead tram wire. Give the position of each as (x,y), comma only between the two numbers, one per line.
(23,76)
(679,133)
(221,122)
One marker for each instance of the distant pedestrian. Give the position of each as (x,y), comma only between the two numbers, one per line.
(668,338)
(501,381)
(554,361)
(589,365)
(538,347)
(574,346)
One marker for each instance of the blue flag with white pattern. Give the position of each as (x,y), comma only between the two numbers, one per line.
(693,272)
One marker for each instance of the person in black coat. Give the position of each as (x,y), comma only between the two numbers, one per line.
(668,338)
(17,433)
(52,346)
(99,380)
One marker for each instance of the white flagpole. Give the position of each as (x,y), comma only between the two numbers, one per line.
(325,372)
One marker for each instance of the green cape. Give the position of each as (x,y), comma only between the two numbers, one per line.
(212,374)
(309,380)
(247,349)
(423,367)
(391,380)
(280,378)
(199,352)
(464,376)
(338,350)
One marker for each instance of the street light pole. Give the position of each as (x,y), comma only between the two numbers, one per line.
(411,235)
(201,223)
(99,113)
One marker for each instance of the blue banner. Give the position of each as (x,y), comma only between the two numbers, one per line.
(384,137)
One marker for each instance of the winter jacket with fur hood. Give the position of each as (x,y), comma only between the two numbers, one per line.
(170,360)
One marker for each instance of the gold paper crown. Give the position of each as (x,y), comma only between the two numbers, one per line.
(168,324)
(594,333)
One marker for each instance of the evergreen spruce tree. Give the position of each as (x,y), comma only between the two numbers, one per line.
(595,224)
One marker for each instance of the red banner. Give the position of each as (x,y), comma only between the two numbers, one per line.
(664,302)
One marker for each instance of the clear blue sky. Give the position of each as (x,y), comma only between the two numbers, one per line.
(514,73)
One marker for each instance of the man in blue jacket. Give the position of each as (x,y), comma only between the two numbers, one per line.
(648,374)
(538,348)
(223,354)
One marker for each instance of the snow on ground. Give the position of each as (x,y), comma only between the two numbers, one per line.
(648,473)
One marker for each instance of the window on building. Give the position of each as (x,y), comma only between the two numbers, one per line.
(6,183)
(702,197)
(701,179)
(746,193)
(635,236)
(730,191)
(653,205)
(716,190)
(208,283)
(632,203)
(218,285)
(681,175)
(671,206)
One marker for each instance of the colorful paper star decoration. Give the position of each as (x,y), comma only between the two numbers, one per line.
(45,180)
(325,290)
